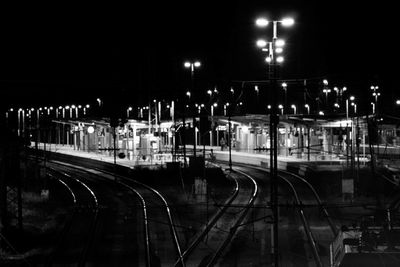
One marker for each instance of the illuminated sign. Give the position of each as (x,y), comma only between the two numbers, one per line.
(90,129)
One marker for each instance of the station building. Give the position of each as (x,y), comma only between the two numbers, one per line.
(299,136)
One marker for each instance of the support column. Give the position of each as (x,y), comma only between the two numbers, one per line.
(134,142)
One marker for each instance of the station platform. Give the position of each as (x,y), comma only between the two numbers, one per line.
(292,163)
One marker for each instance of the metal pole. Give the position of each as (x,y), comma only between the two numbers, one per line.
(274,182)
(358,151)
(194,112)
(212,126)
(19,123)
(286,107)
(229,142)
(183,135)
(308,142)
(347,145)
(115,152)
(149,118)
(37,133)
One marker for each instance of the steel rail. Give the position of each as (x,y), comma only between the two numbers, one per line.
(166,205)
(211,223)
(67,226)
(83,257)
(320,204)
(307,228)
(145,223)
(238,222)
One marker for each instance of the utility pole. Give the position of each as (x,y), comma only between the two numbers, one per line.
(274,117)
(192,66)
(194,113)
(183,134)
(230,139)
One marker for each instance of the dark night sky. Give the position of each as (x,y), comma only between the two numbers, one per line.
(62,54)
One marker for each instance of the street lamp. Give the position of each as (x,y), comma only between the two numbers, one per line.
(63,111)
(308,108)
(84,109)
(284,86)
(212,109)
(375,94)
(70,111)
(76,110)
(326,90)
(294,108)
(192,66)
(225,108)
(127,111)
(274,121)
(281,108)
(355,107)
(347,106)
(374,88)
(257,93)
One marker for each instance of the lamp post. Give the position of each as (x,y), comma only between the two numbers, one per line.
(21,118)
(272,59)
(294,109)
(127,111)
(230,137)
(347,106)
(213,106)
(284,86)
(307,106)
(70,111)
(192,66)
(63,111)
(281,108)
(84,109)
(225,108)
(326,91)
(355,107)
(375,94)
(76,110)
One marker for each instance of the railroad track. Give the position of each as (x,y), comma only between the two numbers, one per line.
(299,198)
(77,236)
(207,247)
(156,219)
